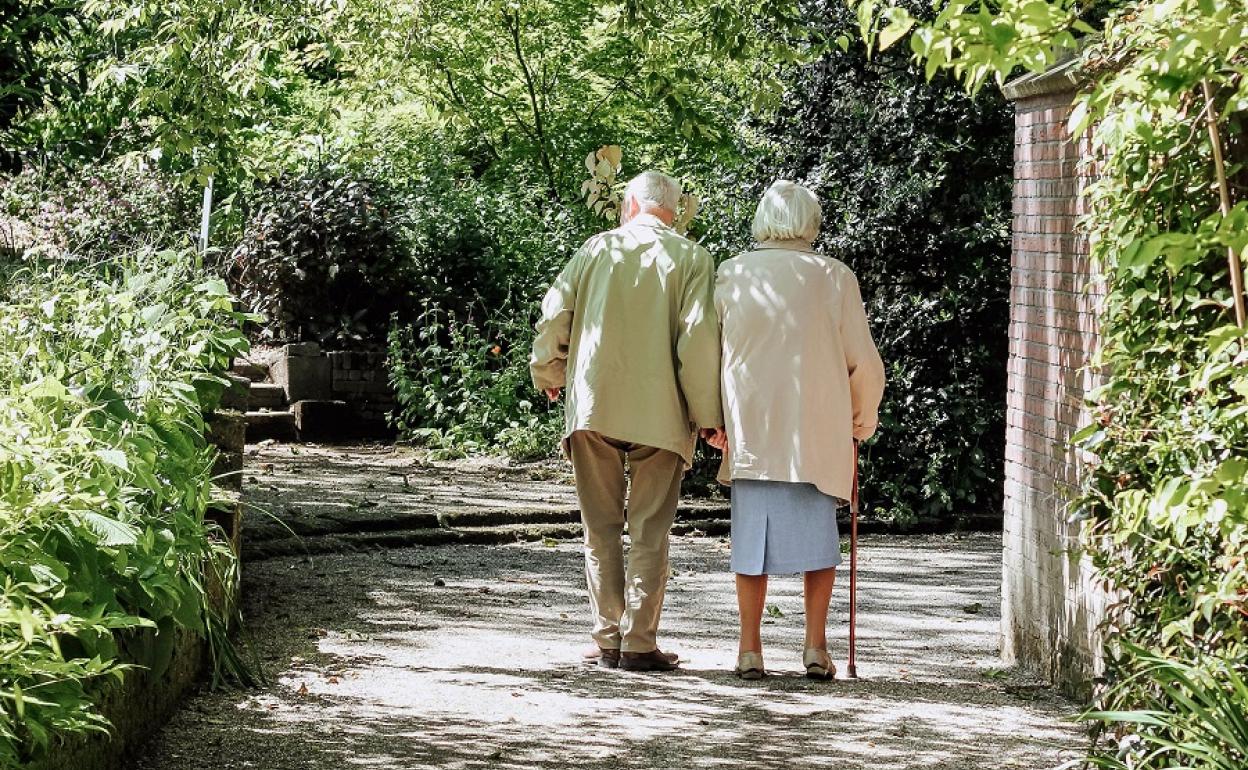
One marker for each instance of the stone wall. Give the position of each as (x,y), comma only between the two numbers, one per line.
(136,707)
(360,379)
(326,396)
(1050,607)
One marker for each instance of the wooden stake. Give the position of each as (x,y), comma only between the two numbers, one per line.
(1224,197)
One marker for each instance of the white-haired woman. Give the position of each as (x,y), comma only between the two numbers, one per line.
(802,382)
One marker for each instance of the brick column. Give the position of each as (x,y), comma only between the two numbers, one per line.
(1050,607)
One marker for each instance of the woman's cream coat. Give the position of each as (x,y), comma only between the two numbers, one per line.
(801,375)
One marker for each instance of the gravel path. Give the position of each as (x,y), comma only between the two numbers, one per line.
(466,656)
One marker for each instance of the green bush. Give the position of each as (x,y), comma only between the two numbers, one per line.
(322,258)
(914,178)
(1165,500)
(1196,714)
(483,252)
(331,254)
(105,375)
(463,387)
(94,212)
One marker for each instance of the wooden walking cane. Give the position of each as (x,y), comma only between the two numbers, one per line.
(851,669)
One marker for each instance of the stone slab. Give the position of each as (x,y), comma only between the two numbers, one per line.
(275,425)
(226,511)
(302,350)
(227,430)
(320,420)
(265,395)
(236,393)
(303,378)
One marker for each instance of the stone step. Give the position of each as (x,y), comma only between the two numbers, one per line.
(266,395)
(278,425)
(236,393)
(505,525)
(426,536)
(483,518)
(323,420)
(251,370)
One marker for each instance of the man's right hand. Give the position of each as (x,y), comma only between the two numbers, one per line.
(553,393)
(716,437)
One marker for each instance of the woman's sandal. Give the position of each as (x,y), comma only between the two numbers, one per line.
(819,664)
(750,666)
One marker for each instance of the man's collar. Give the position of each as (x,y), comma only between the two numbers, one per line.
(645,219)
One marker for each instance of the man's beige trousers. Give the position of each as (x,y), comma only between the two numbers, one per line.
(626,603)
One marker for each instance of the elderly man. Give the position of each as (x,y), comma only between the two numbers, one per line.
(629,328)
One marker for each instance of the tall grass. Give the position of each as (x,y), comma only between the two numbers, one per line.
(1197,716)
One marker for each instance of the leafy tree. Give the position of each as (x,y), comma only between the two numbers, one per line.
(915,181)
(190,83)
(30,80)
(199,80)
(547,82)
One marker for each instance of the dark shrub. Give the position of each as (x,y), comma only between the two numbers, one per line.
(915,182)
(322,258)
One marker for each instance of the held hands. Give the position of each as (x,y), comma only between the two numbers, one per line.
(716,437)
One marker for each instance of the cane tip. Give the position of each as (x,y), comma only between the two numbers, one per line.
(851,672)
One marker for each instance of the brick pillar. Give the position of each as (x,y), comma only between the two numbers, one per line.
(1050,607)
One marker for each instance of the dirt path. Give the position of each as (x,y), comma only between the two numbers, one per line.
(467,656)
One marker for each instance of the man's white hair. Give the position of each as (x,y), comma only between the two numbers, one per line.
(787,212)
(654,190)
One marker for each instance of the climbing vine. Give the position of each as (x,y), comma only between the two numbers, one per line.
(1166,507)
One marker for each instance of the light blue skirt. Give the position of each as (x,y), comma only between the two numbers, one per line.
(781,527)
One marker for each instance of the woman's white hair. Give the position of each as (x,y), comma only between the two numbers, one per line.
(787,212)
(654,190)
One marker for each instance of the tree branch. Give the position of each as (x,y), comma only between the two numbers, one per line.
(450,84)
(512,21)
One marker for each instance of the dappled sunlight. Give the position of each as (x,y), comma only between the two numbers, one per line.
(311,490)
(469,657)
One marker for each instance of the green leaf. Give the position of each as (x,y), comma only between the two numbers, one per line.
(114,457)
(111,532)
(900,22)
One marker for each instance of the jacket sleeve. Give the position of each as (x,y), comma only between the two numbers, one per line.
(866,369)
(548,363)
(697,345)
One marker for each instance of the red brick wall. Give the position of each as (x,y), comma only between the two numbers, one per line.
(1049,607)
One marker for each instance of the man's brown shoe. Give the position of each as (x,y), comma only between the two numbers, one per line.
(654,660)
(602,656)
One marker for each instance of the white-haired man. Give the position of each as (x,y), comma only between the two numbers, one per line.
(629,329)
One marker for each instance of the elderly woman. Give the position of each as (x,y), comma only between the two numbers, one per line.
(802,382)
